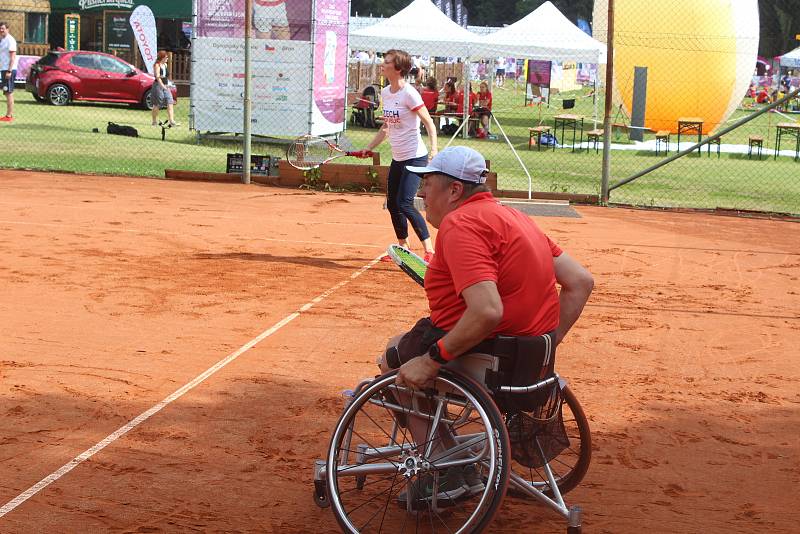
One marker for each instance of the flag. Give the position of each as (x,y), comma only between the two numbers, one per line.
(144,30)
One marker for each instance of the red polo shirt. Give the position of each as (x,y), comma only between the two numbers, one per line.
(483,240)
(430,98)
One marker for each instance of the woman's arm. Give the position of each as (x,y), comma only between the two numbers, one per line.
(426,119)
(379,137)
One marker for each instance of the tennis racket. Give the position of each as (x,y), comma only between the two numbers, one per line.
(308,152)
(410,263)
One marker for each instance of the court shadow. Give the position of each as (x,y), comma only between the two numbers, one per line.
(323,263)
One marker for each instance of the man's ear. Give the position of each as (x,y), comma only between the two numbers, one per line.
(458,192)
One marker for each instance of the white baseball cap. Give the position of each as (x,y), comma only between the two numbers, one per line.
(459,162)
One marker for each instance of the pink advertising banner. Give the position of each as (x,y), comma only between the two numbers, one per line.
(330,64)
(272,19)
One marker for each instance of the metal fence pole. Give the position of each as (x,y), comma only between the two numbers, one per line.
(248,28)
(606,173)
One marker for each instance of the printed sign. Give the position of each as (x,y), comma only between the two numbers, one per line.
(281,85)
(72,32)
(298,84)
(98,4)
(539,72)
(117,31)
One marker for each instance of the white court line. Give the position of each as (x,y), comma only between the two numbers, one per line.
(133,423)
(145,232)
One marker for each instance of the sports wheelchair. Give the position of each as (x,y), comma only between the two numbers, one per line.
(377,478)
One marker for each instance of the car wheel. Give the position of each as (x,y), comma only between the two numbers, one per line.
(59,94)
(147,99)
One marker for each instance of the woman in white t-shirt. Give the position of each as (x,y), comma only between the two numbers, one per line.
(403,110)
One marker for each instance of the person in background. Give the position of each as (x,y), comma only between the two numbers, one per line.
(763,97)
(500,72)
(449,95)
(8,69)
(511,68)
(403,110)
(160,93)
(460,102)
(430,94)
(484,109)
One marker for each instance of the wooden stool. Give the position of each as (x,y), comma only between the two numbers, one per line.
(754,141)
(594,136)
(714,142)
(537,131)
(662,136)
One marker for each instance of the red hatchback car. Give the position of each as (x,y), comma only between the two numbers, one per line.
(61,77)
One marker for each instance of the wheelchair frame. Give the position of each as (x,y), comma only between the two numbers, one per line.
(493,455)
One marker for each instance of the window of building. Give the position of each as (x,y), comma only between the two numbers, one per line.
(35,27)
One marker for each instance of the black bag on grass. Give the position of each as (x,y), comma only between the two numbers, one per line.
(121,129)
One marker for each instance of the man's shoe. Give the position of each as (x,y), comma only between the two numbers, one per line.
(450,489)
(6,118)
(473,480)
(387,259)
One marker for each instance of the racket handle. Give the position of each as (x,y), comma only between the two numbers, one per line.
(361,154)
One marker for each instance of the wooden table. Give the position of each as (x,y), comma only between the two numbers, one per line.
(568,121)
(792,129)
(690,125)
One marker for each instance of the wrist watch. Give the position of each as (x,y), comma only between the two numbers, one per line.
(436,354)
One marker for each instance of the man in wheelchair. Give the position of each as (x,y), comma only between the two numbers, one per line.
(491,288)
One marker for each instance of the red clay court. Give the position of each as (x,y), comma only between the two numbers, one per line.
(119,292)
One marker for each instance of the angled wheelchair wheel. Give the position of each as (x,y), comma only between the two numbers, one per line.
(451,478)
(571,464)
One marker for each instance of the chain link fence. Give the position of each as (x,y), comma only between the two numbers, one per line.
(542,130)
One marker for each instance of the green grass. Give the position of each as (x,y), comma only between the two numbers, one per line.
(47,137)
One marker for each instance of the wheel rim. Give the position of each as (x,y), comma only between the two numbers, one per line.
(148,100)
(376,504)
(59,95)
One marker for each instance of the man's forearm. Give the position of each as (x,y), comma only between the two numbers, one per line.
(576,286)
(484,312)
(571,300)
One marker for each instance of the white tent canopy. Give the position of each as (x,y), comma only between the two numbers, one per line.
(791,59)
(420,28)
(545,34)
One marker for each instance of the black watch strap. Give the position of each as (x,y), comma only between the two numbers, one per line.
(436,354)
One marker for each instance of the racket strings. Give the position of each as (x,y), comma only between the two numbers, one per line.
(309,153)
(412,261)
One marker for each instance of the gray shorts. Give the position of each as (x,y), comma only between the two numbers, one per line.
(8,83)
(161,97)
